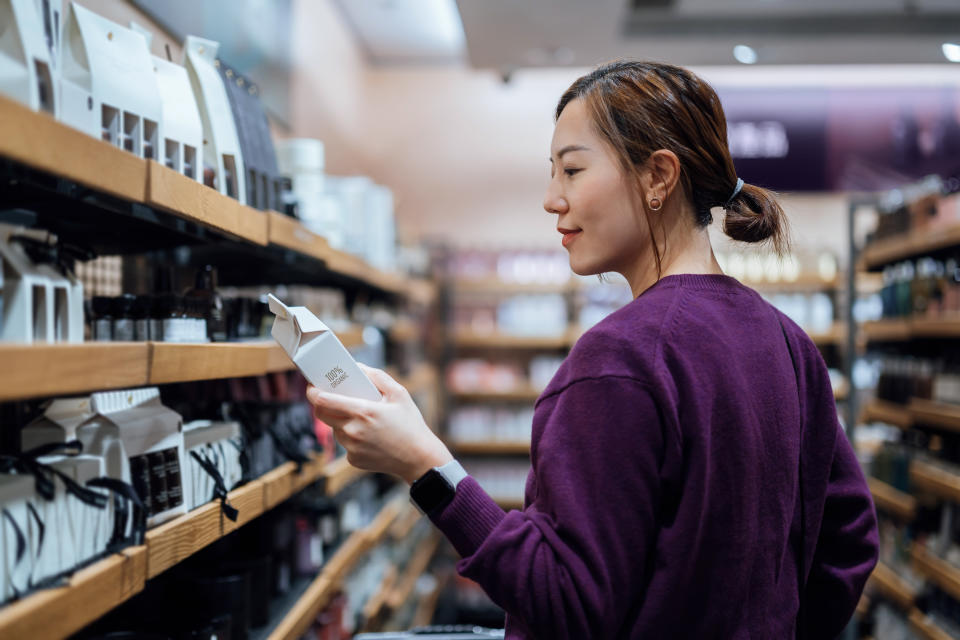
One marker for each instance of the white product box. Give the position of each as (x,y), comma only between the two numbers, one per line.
(318,353)
(123,85)
(219,443)
(139,440)
(182,147)
(16,491)
(82,527)
(77,108)
(28,53)
(221,145)
(40,304)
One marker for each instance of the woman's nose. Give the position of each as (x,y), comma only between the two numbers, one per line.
(553,201)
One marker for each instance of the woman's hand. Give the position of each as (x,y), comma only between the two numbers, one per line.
(388,436)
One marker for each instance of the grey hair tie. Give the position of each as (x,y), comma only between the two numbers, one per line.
(736,190)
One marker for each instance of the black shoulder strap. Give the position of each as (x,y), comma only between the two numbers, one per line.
(802,565)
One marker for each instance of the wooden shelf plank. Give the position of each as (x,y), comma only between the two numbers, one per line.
(318,594)
(37,370)
(405,522)
(948,327)
(930,479)
(491,448)
(351,336)
(806,282)
(469,339)
(287,232)
(889,412)
(936,414)
(888,330)
(522,394)
(90,593)
(496,286)
(836,335)
(892,586)
(891,500)
(915,243)
(940,572)
(404,331)
(414,569)
(37,140)
(338,474)
(423,377)
(182,362)
(925,628)
(285,480)
(374,604)
(178,539)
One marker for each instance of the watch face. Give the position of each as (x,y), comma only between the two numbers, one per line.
(431,491)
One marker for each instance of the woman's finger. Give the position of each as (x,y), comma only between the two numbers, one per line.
(338,403)
(382,380)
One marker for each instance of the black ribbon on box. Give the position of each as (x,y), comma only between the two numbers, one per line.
(219,487)
(126,493)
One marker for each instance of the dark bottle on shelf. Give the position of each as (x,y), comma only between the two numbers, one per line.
(123,321)
(209,303)
(103,318)
(142,308)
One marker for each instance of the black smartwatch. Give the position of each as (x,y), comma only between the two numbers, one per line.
(436,488)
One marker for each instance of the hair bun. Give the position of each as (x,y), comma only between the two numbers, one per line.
(754,215)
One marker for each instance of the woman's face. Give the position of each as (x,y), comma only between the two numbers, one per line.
(598,209)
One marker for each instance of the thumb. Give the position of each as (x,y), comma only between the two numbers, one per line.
(382,380)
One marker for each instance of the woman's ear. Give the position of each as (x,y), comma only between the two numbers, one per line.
(661,174)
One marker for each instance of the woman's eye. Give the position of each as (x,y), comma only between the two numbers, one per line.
(571,172)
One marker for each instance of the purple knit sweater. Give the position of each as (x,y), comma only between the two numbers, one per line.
(664,496)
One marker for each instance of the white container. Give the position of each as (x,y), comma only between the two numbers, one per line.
(28,48)
(218,443)
(318,353)
(78,108)
(221,146)
(182,128)
(124,86)
(300,156)
(40,304)
(16,491)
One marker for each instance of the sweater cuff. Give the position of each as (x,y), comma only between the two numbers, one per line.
(469,518)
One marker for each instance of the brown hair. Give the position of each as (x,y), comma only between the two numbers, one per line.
(640,107)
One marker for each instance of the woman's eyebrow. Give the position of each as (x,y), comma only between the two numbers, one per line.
(569,148)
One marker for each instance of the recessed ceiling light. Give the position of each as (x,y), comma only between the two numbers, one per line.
(748,55)
(951,51)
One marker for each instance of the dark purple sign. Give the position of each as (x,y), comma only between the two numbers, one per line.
(861,139)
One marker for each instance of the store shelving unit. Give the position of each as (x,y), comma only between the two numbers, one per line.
(93,194)
(102,586)
(892,586)
(926,628)
(891,500)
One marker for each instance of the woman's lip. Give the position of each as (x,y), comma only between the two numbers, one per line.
(569,236)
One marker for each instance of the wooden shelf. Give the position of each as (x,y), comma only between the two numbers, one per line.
(338,474)
(806,282)
(318,594)
(523,394)
(415,567)
(889,412)
(404,331)
(38,370)
(491,448)
(496,286)
(925,628)
(891,500)
(877,255)
(834,336)
(286,232)
(95,590)
(934,480)
(469,339)
(904,329)
(423,377)
(938,571)
(889,330)
(892,586)
(510,503)
(184,362)
(935,414)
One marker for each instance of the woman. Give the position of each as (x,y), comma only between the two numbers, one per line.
(689,476)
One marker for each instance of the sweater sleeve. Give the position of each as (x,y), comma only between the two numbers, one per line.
(846,549)
(572,564)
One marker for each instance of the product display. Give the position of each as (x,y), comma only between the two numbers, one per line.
(28,57)
(42,300)
(181,124)
(222,155)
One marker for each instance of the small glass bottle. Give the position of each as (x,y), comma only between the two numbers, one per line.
(103,318)
(208,304)
(123,321)
(141,318)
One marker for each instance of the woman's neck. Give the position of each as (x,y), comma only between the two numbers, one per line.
(686,250)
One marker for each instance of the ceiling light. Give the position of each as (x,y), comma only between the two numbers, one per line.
(951,51)
(748,55)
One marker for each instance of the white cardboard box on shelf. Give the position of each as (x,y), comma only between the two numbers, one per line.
(221,146)
(182,128)
(16,491)
(219,444)
(40,304)
(81,530)
(124,86)
(28,54)
(139,439)
(77,108)
(318,353)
